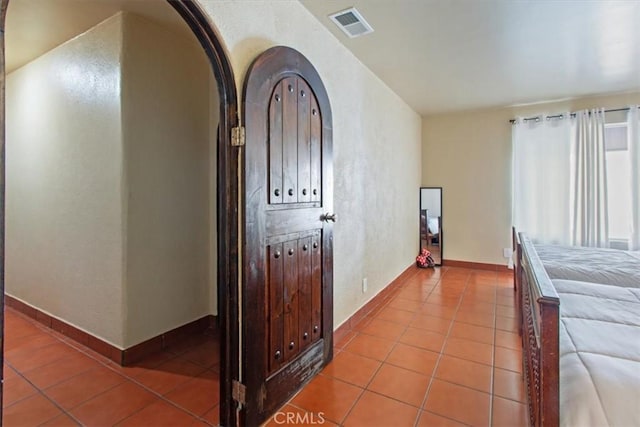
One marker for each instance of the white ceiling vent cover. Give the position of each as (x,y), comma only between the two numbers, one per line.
(351,22)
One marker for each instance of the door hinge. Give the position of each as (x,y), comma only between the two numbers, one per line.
(237,136)
(239,392)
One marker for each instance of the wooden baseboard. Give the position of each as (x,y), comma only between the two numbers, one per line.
(475,265)
(167,339)
(375,302)
(122,357)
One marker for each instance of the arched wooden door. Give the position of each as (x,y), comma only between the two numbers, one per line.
(287,290)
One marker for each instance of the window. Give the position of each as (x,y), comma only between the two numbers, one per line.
(618,183)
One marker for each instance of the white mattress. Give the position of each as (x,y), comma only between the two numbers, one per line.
(599,354)
(595,265)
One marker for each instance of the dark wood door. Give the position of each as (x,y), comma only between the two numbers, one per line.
(287,292)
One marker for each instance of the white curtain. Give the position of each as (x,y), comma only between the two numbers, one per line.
(633,129)
(542,179)
(590,221)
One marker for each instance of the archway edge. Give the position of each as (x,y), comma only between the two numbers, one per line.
(227,195)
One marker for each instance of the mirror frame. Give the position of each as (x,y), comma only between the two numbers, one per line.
(440,239)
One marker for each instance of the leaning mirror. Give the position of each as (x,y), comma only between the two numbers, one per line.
(431,222)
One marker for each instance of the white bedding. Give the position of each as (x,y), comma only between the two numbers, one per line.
(432,223)
(599,354)
(595,265)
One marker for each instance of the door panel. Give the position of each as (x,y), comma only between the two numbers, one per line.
(275,146)
(275,287)
(290,299)
(288,247)
(290,140)
(305,310)
(316,288)
(315,172)
(304,142)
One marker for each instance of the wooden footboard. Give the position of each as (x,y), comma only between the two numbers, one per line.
(538,313)
(515,242)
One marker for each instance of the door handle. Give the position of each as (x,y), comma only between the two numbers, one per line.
(328,217)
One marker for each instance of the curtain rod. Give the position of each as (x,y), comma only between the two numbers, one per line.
(561,116)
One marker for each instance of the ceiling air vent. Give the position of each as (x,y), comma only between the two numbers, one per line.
(351,22)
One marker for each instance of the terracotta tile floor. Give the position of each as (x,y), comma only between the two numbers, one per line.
(51,380)
(443,350)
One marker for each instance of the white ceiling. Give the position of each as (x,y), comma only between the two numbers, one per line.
(438,55)
(34,27)
(447,55)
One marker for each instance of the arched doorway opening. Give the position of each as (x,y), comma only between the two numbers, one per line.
(227,192)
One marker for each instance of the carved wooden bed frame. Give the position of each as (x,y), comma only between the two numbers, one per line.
(538,314)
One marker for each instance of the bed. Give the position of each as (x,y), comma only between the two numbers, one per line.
(433,225)
(606,266)
(581,338)
(429,228)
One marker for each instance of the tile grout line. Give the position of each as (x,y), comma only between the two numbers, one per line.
(391,297)
(104,364)
(365,388)
(415,314)
(440,354)
(493,354)
(162,397)
(39,390)
(55,403)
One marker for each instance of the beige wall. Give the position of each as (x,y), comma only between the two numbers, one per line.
(377,140)
(469,155)
(64,228)
(165,113)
